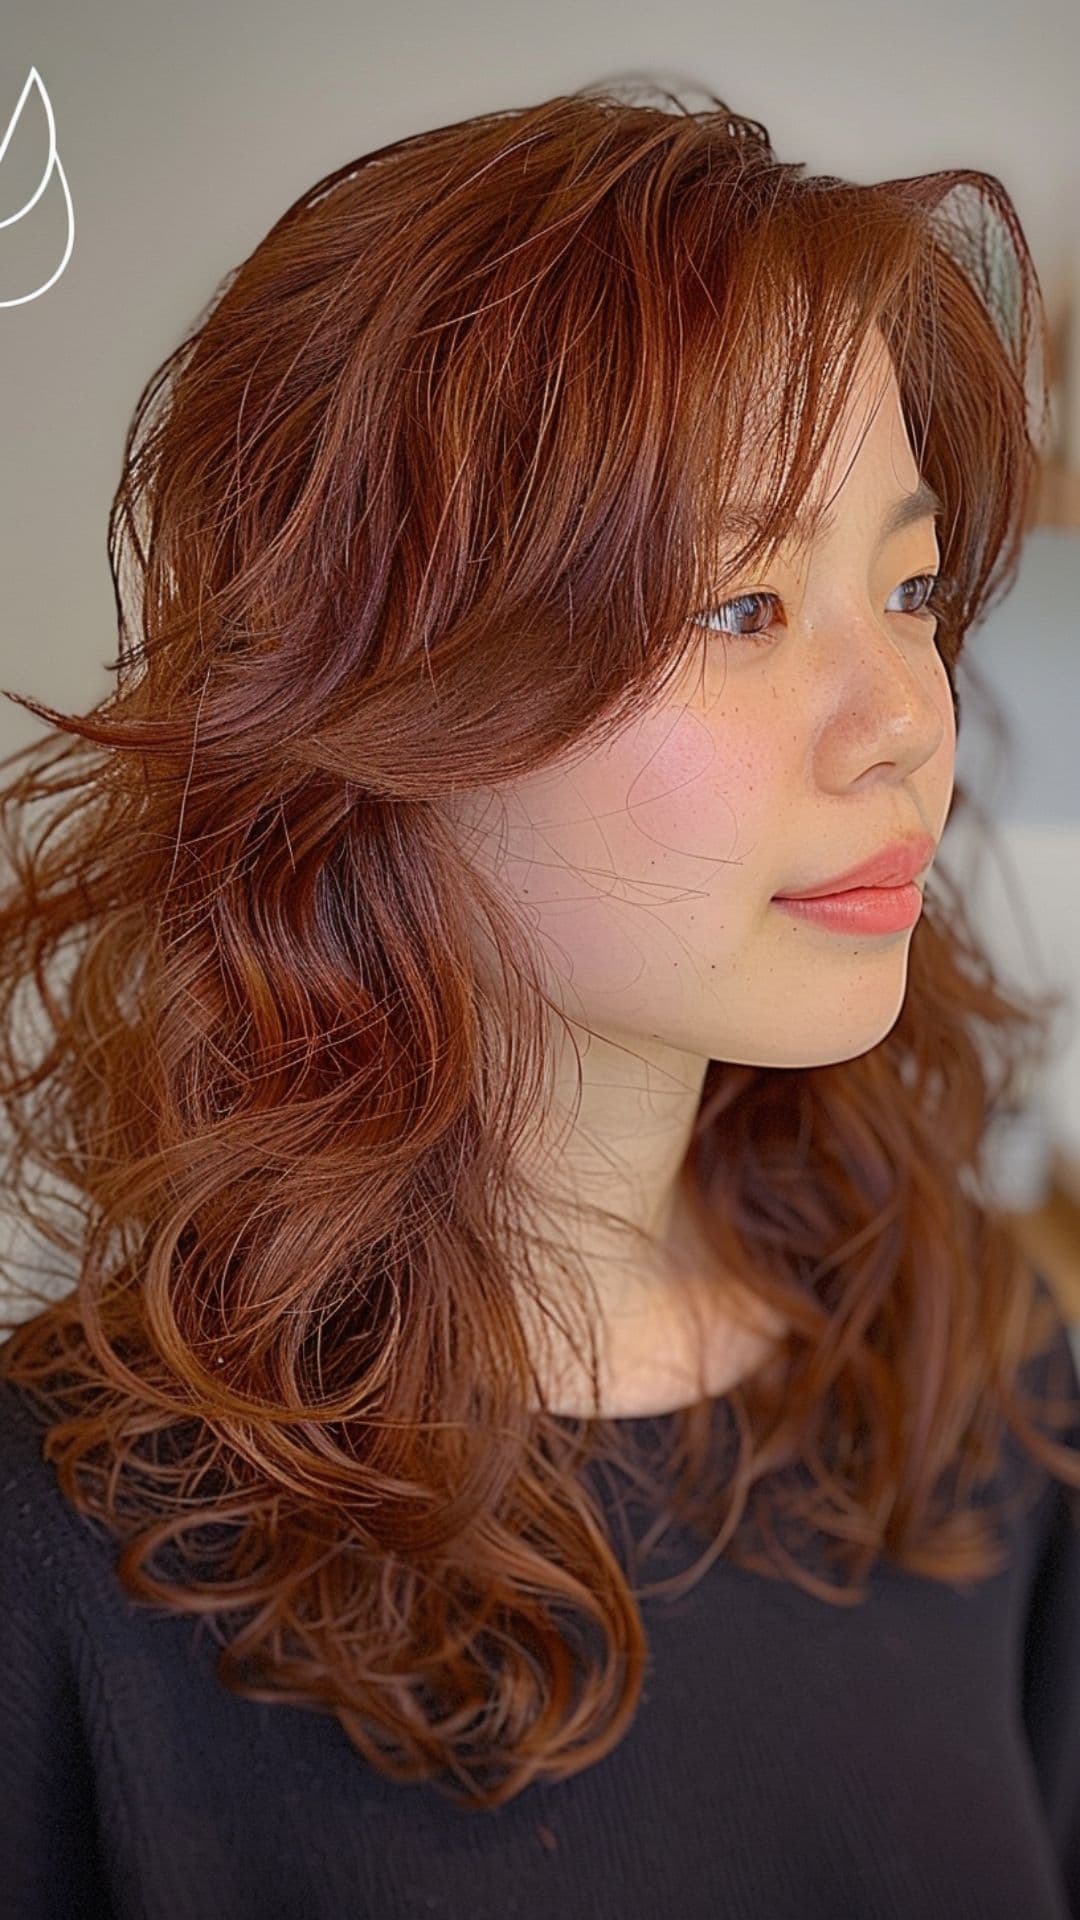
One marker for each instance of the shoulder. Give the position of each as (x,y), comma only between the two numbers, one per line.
(23,1426)
(25,1473)
(49,1856)
(40,1531)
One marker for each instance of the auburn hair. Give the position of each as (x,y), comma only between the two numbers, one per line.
(415,505)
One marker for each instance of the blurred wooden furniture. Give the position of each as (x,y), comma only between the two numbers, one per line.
(1050,1235)
(1056,498)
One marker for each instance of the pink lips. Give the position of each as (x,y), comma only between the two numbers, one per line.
(878,896)
(893,866)
(860,909)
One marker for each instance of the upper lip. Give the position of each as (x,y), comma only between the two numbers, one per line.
(892,866)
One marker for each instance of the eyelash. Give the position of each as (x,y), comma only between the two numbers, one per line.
(939,584)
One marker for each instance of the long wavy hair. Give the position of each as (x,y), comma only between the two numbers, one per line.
(414,507)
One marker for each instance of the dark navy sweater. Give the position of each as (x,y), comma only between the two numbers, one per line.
(916,1757)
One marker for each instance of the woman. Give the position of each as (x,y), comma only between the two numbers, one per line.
(557,542)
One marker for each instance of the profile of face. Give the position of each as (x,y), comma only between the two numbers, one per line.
(813,724)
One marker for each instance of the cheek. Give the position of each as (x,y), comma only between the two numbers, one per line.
(635,849)
(700,806)
(700,791)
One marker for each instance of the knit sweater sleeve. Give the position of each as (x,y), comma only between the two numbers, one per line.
(49,1859)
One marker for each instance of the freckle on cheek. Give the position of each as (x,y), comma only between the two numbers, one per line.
(693,786)
(670,751)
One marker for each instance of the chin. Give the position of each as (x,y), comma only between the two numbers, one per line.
(830,1042)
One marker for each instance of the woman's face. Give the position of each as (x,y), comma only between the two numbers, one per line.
(649,869)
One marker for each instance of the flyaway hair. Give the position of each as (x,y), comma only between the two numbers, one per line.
(422,501)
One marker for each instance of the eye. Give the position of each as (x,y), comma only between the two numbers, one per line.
(747,606)
(736,609)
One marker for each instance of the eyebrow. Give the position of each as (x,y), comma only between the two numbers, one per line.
(923,504)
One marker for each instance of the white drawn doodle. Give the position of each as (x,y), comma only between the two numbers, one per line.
(52,164)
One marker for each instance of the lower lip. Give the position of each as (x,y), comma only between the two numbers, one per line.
(860,909)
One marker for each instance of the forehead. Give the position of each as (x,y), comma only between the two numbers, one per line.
(815,521)
(870,419)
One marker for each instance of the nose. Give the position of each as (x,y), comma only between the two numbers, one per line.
(889,705)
